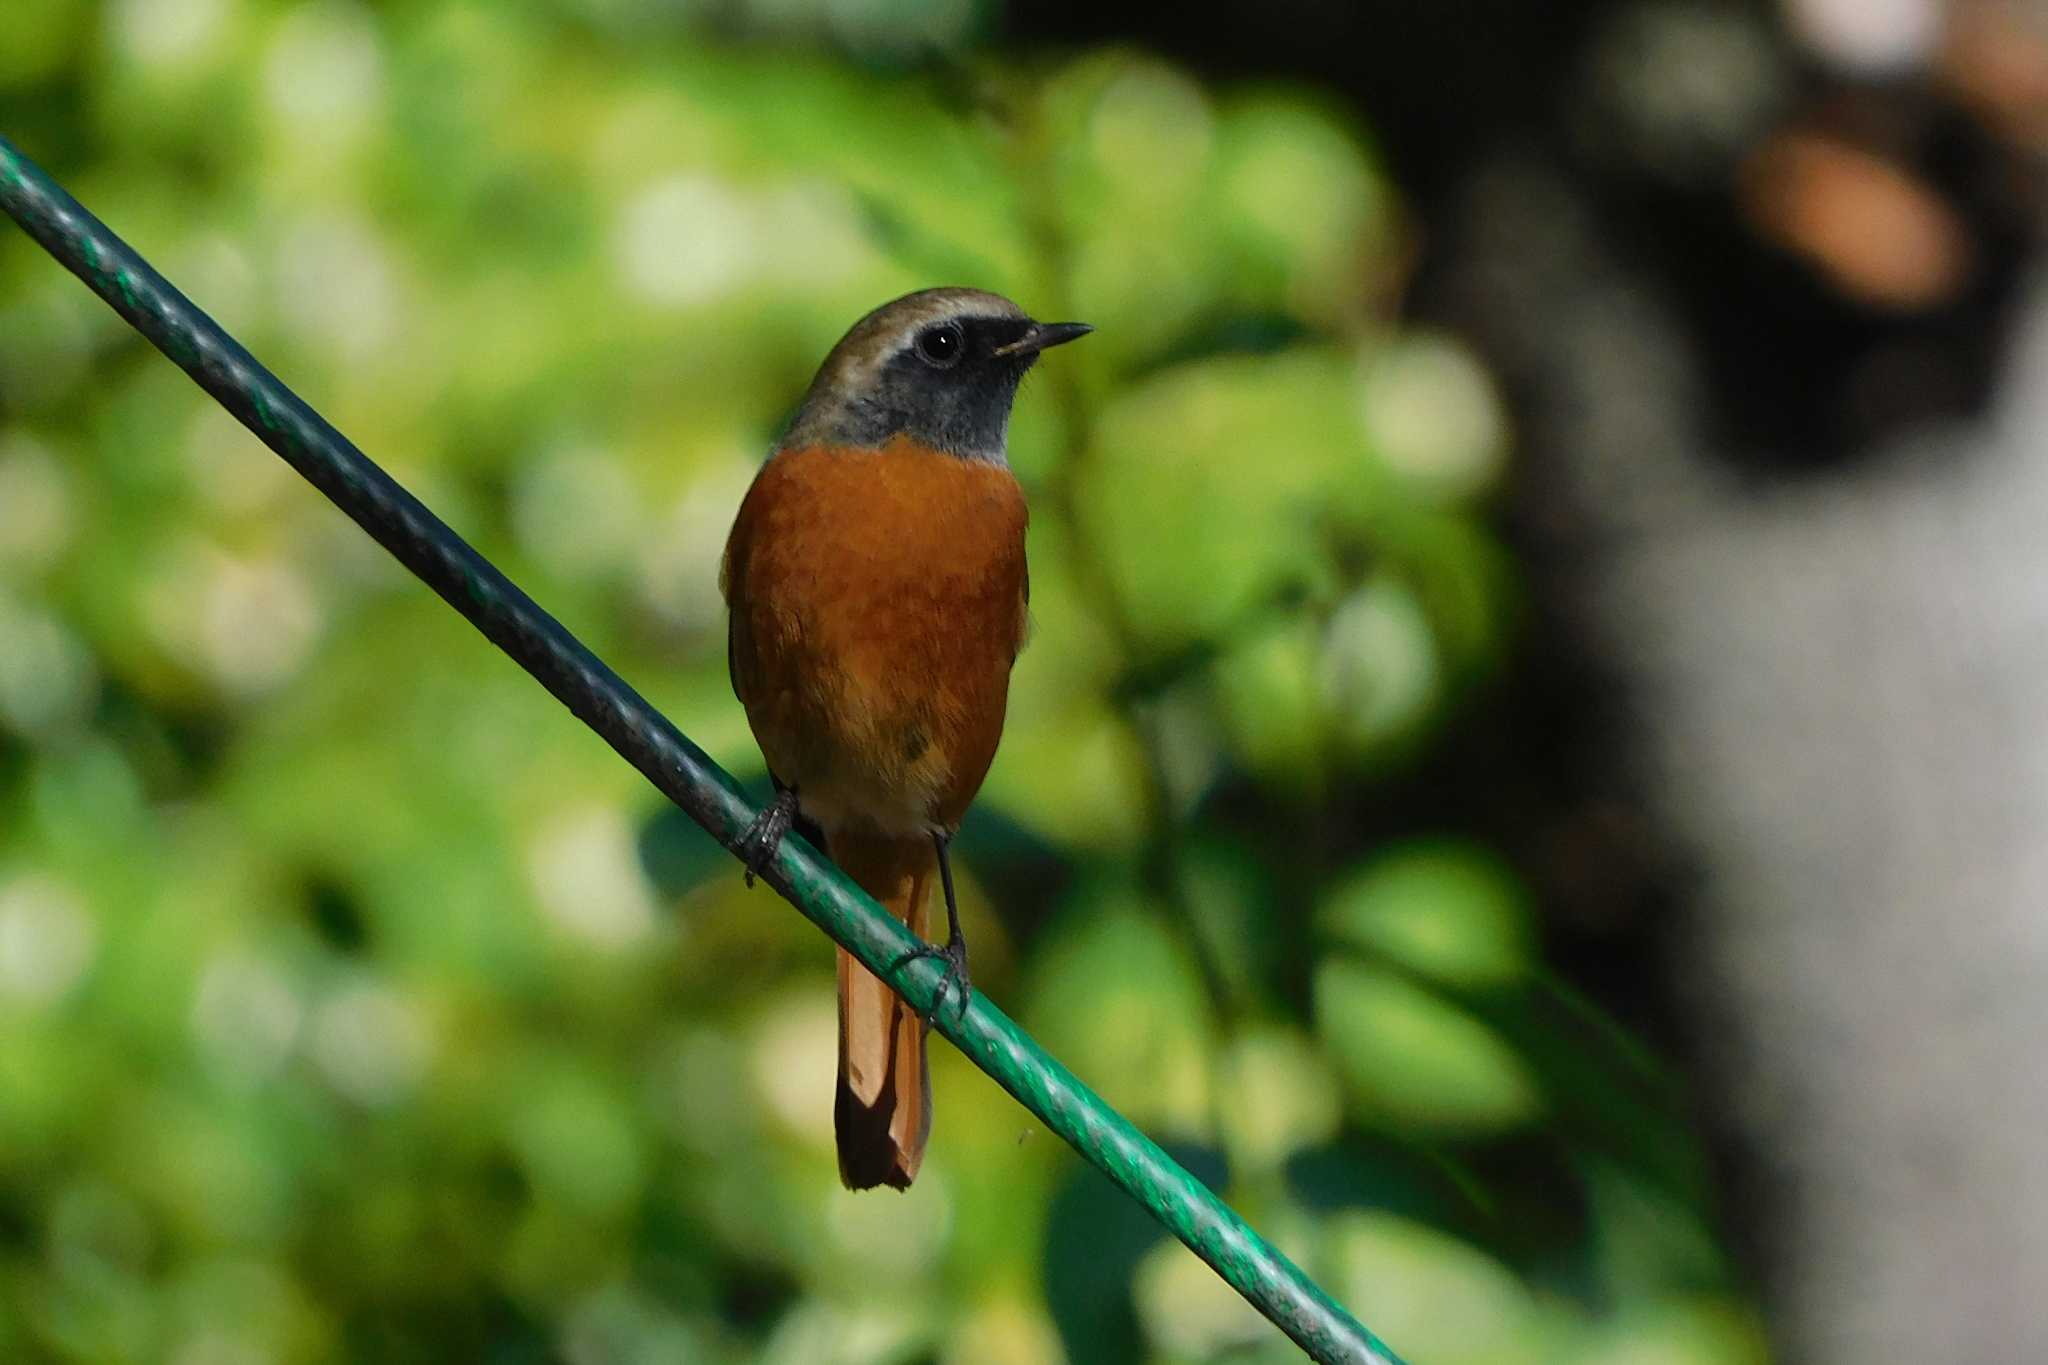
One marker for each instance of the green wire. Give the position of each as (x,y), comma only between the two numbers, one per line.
(643,737)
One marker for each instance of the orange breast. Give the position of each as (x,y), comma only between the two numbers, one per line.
(877,605)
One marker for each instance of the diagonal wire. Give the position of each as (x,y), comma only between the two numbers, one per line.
(679,769)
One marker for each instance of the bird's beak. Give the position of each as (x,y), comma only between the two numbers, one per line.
(1044,334)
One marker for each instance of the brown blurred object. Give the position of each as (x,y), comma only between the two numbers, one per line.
(1878,233)
(1995,58)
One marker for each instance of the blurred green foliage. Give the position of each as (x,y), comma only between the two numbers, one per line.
(355,1003)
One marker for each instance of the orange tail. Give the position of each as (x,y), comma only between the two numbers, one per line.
(883,1111)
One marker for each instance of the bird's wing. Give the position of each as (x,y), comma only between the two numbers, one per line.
(732,586)
(1023,636)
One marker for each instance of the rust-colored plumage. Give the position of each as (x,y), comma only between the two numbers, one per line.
(877,604)
(878,588)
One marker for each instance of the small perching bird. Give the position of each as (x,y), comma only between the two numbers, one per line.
(878,590)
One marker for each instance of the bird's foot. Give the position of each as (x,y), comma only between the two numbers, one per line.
(954,953)
(954,984)
(757,846)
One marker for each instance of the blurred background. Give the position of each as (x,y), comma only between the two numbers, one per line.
(1527,776)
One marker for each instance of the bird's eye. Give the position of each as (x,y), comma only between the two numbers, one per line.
(941,346)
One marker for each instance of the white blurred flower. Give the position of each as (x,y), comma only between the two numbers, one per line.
(688,239)
(35,503)
(169,35)
(47,677)
(1432,414)
(1190,1310)
(325,71)
(228,466)
(901,1237)
(795,1056)
(813,230)
(584,867)
(680,558)
(212,1346)
(1004,1328)
(337,286)
(1380,665)
(47,939)
(248,623)
(215,270)
(575,509)
(1280,1095)
(818,1332)
(616,1324)
(1154,129)
(246,1015)
(371,1043)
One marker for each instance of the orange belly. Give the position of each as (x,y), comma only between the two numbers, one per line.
(877,603)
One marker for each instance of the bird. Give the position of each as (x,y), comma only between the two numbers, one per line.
(878,597)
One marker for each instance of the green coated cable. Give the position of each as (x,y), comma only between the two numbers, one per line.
(646,739)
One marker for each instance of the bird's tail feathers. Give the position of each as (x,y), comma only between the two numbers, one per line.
(882,1114)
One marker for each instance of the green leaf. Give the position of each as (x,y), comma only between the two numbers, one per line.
(1415,1060)
(1702,1331)
(1448,911)
(1437,1298)
(1117,995)
(1207,485)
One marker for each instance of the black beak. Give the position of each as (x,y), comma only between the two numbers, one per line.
(1044,334)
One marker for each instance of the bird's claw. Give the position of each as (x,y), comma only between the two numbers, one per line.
(758,844)
(955,982)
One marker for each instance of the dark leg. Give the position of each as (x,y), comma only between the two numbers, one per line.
(954,954)
(757,845)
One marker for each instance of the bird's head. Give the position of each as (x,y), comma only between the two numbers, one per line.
(940,366)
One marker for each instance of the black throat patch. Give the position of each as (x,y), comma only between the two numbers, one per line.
(961,409)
